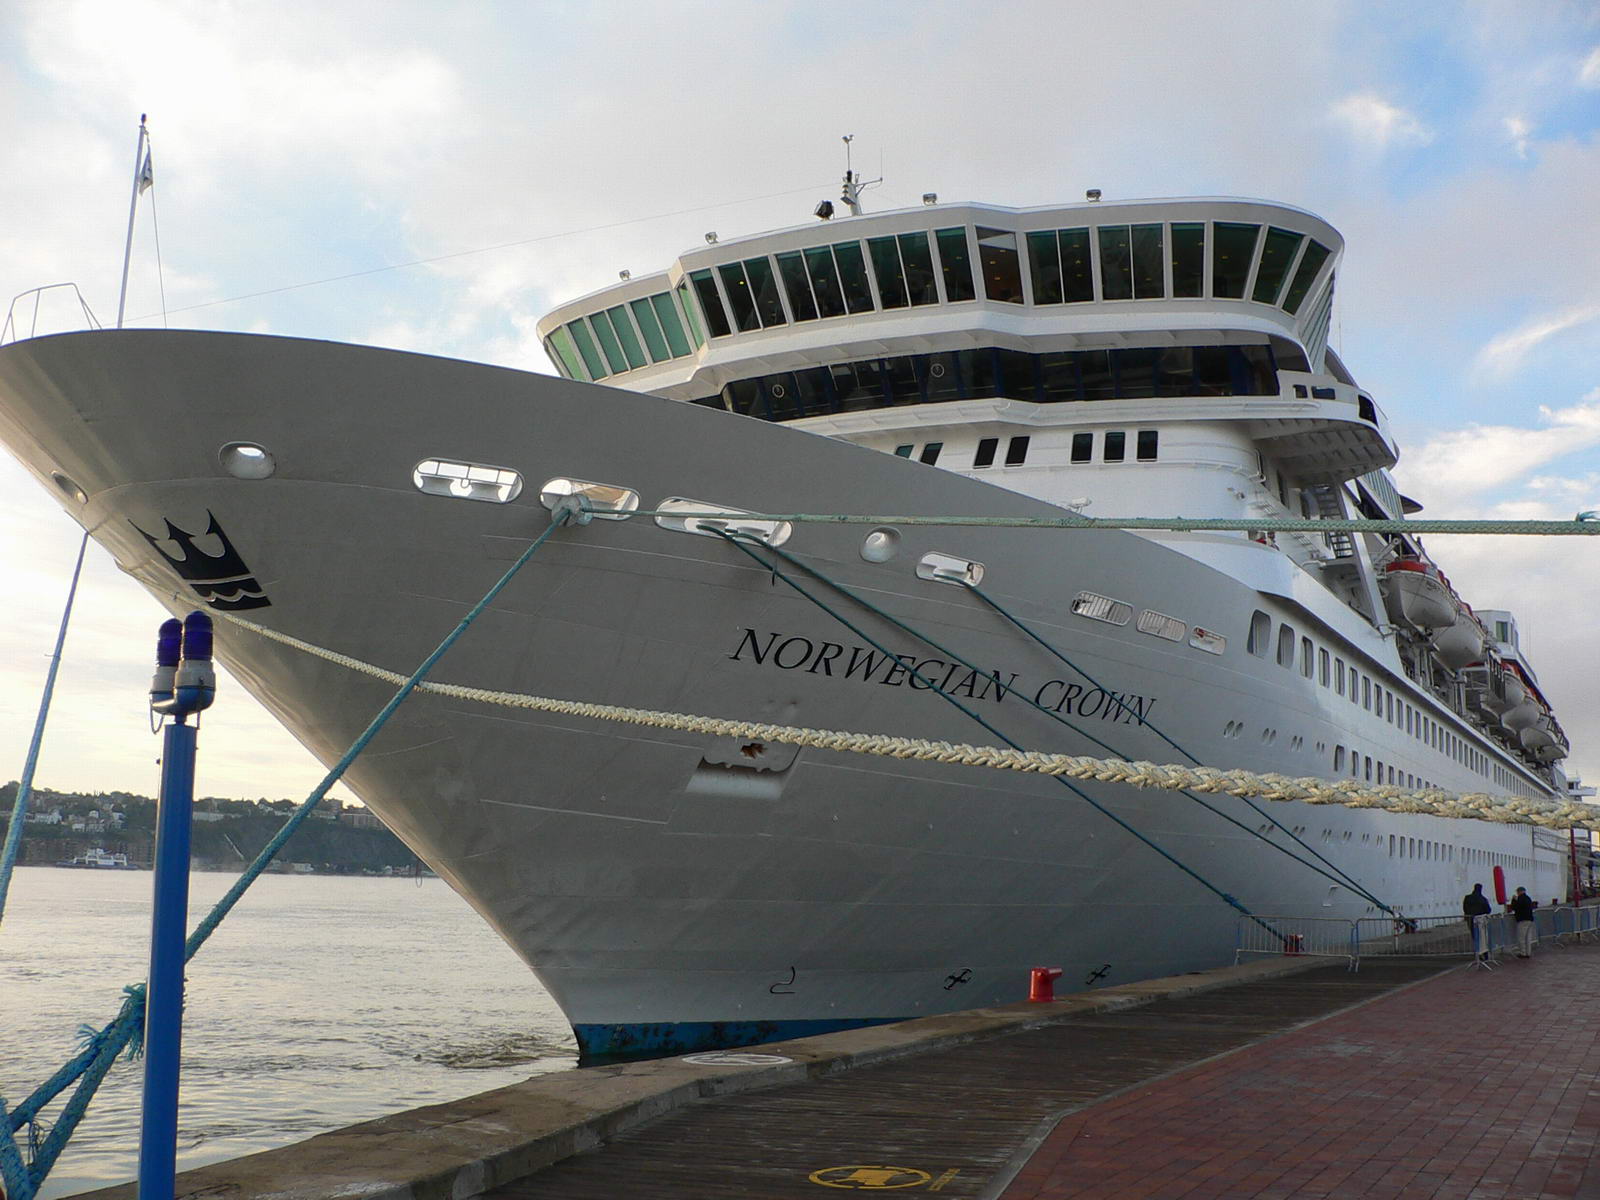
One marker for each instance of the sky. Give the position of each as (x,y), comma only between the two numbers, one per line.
(434,177)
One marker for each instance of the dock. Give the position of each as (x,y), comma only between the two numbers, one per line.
(1417,1077)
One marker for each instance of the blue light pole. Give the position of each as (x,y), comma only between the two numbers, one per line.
(184,684)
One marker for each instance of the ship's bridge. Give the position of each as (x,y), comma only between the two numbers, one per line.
(1204,299)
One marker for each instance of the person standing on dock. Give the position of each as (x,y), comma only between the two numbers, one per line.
(1522,906)
(1475,907)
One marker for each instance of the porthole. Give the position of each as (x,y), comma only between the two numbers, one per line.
(68,488)
(467,481)
(607,501)
(880,545)
(247,460)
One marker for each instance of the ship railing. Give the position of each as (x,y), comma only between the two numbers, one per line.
(25,307)
(1430,937)
(1297,937)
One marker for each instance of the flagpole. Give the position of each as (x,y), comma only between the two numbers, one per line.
(133,205)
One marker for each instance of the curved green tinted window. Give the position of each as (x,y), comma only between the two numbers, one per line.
(1310,263)
(650,329)
(667,312)
(608,342)
(625,335)
(586,347)
(1234,246)
(1277,252)
(565,353)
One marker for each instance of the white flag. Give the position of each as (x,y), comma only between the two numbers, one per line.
(147,177)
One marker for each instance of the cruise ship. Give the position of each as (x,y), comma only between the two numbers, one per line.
(676,890)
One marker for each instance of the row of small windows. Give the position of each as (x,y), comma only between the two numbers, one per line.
(625,337)
(1131,262)
(1295,651)
(1265,264)
(1063,377)
(1115,444)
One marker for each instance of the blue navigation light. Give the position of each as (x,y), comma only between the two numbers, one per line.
(168,640)
(196,637)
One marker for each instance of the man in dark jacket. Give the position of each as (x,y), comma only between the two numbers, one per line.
(1522,906)
(1475,907)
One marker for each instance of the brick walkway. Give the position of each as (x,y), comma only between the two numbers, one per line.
(1470,1086)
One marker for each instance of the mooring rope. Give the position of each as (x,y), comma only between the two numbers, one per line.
(1509,810)
(102,1047)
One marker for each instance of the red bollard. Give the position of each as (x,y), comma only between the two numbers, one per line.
(1041,984)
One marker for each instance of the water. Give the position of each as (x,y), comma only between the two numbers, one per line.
(320,1002)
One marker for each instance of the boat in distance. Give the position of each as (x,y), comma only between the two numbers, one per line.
(677,890)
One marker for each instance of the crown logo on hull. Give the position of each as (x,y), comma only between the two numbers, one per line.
(222,580)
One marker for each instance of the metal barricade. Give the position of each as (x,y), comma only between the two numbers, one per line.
(1428,937)
(1293,937)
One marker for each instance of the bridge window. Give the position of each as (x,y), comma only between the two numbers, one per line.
(792,270)
(853,276)
(1310,263)
(903,451)
(586,348)
(564,353)
(1277,252)
(930,453)
(1234,248)
(1082,447)
(1146,445)
(1002,268)
(608,342)
(955,263)
(739,298)
(1116,263)
(825,281)
(1044,266)
(1116,445)
(1017,451)
(1148,280)
(705,289)
(764,292)
(985,455)
(631,348)
(650,330)
(669,318)
(1189,259)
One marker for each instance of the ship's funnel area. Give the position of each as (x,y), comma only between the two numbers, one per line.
(714,520)
(605,501)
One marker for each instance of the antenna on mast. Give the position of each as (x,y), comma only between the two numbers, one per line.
(853,187)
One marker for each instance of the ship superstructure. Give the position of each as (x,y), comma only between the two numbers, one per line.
(677,888)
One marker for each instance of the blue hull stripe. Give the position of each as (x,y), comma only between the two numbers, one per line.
(648,1040)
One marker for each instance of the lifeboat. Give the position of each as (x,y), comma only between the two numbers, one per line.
(1461,643)
(1521,716)
(1415,594)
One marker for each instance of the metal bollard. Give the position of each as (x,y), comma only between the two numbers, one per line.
(1041,984)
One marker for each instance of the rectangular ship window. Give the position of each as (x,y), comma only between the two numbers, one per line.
(1002,268)
(608,342)
(886,269)
(667,312)
(1145,450)
(853,276)
(1188,259)
(1044,265)
(930,453)
(1234,245)
(985,455)
(1077,273)
(825,281)
(1276,254)
(1082,447)
(1017,451)
(1148,280)
(1116,263)
(630,342)
(764,291)
(792,270)
(918,260)
(1102,608)
(1116,443)
(586,347)
(705,290)
(1260,634)
(955,263)
(739,298)
(1310,263)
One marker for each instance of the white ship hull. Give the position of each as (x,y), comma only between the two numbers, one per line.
(675,890)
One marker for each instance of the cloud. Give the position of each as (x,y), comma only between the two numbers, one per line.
(1376,123)
(1589,72)
(1519,130)
(1505,353)
(1463,465)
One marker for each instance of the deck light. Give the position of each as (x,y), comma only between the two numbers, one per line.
(824,210)
(624,275)
(1092,194)
(930,198)
(711,238)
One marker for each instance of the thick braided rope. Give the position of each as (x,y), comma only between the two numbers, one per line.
(1508,810)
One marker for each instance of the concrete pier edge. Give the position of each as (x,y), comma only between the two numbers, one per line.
(463,1148)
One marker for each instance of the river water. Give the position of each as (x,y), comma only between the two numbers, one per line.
(319,1002)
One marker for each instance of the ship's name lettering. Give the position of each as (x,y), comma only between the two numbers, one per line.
(863,665)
